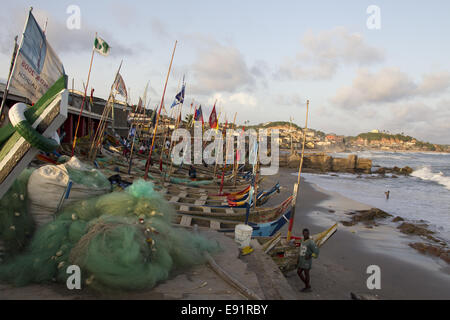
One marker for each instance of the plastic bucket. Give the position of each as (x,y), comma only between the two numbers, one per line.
(243,235)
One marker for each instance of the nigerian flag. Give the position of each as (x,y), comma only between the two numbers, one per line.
(101,46)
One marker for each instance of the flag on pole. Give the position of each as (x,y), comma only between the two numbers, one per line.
(179,98)
(119,86)
(198,114)
(36,67)
(101,46)
(213,118)
(91,98)
(139,105)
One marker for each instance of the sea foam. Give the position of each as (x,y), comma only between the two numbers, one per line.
(425,173)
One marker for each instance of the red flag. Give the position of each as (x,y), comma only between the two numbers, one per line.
(213,118)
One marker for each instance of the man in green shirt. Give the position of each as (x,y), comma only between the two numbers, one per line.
(308,250)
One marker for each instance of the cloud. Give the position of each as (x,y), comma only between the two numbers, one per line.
(388,85)
(62,39)
(415,119)
(238,100)
(159,28)
(325,52)
(220,68)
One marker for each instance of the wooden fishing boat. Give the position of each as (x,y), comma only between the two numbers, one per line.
(258,215)
(216,201)
(286,254)
(266,229)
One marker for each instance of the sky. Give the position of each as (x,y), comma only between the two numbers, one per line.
(264,59)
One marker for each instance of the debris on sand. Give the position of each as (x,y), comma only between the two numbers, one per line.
(368,217)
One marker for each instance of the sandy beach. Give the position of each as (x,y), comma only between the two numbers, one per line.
(341,267)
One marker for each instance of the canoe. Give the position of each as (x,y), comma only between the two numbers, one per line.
(175,195)
(258,215)
(266,229)
(285,255)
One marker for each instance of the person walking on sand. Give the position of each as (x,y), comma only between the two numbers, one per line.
(308,250)
(387,194)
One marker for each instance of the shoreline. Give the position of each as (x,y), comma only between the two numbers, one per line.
(341,266)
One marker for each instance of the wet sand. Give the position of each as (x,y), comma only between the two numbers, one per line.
(343,261)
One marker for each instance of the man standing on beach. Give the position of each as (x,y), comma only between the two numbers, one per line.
(308,249)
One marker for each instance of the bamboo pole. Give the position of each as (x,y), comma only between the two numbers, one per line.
(297,186)
(5,93)
(101,126)
(82,103)
(157,118)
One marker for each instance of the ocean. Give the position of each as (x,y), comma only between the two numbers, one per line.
(425,195)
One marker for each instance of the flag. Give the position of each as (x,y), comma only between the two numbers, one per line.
(198,114)
(213,118)
(36,67)
(101,46)
(153,121)
(119,86)
(139,105)
(179,98)
(91,98)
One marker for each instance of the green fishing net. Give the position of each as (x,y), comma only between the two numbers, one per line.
(121,240)
(90,177)
(16,226)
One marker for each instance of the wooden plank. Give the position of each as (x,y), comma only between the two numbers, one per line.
(272,245)
(186,221)
(200,202)
(184,209)
(214,224)
(183,194)
(174,199)
(206,210)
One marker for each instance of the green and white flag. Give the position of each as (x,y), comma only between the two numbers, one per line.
(101,46)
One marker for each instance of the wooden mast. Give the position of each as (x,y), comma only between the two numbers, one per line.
(297,186)
(84,99)
(147,166)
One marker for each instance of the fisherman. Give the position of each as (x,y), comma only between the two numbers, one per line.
(387,194)
(308,250)
(192,172)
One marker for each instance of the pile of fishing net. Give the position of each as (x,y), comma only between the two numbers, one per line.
(49,185)
(120,240)
(16,224)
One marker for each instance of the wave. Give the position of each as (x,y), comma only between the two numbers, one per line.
(425,173)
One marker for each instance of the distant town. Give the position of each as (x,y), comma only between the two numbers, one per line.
(291,137)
